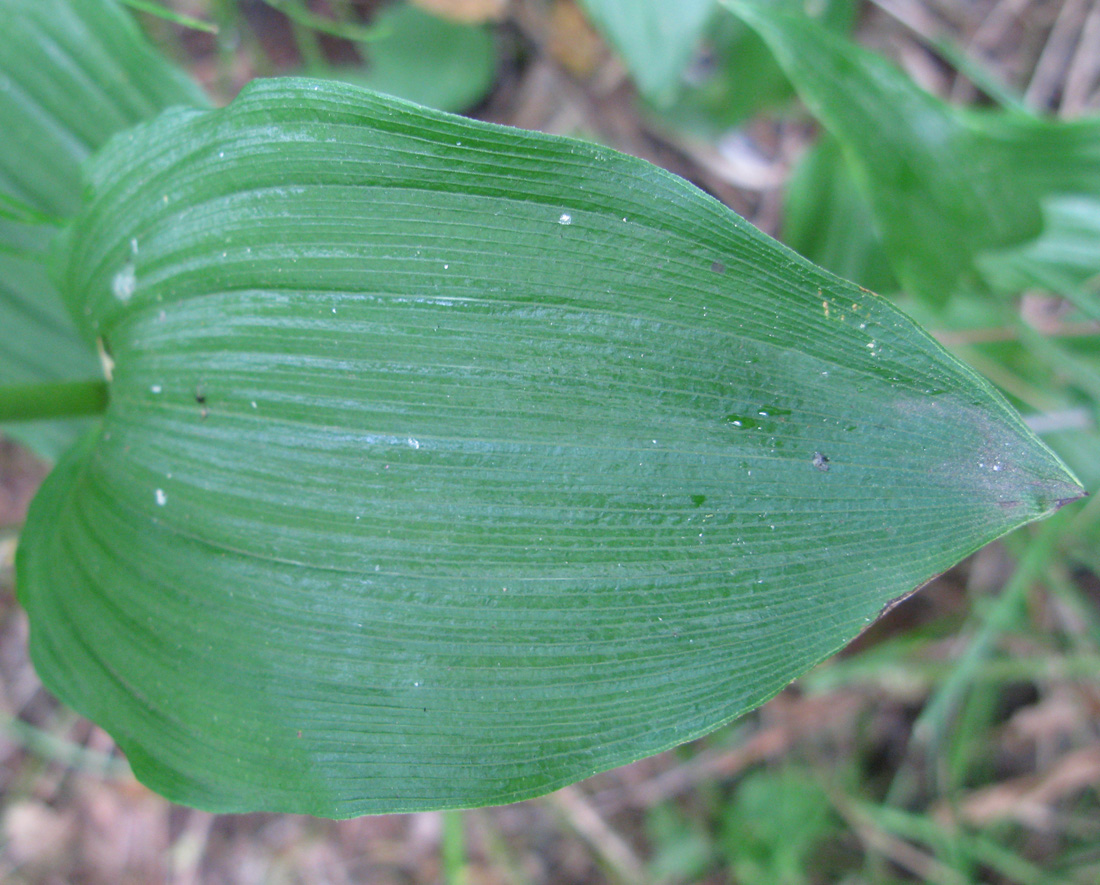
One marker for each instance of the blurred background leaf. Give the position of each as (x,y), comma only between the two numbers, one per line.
(656,38)
(53,115)
(735,75)
(945,185)
(827,218)
(427,59)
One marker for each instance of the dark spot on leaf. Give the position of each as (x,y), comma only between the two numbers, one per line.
(698,500)
(821,462)
(718,267)
(1062,502)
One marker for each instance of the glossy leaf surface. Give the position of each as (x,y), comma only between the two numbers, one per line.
(446,464)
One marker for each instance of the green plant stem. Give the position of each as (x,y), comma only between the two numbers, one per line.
(52,748)
(298,12)
(59,399)
(454,848)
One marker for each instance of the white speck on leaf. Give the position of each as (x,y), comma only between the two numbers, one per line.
(124,283)
(565,218)
(162,498)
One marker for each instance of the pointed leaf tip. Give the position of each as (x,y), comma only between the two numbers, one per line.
(442,468)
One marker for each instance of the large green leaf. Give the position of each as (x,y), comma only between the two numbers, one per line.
(446,463)
(946,184)
(72,73)
(655,37)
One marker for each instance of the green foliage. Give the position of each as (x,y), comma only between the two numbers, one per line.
(445,464)
(72,73)
(772,828)
(1062,259)
(969,204)
(656,38)
(520,434)
(827,218)
(429,60)
(737,75)
(946,185)
(156,9)
(683,850)
(774,825)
